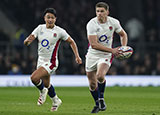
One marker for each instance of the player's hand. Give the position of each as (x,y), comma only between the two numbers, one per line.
(28,40)
(27,43)
(115,51)
(78,60)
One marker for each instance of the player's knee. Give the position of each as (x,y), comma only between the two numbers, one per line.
(100,77)
(35,80)
(93,86)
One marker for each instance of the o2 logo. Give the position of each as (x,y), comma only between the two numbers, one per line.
(103,38)
(45,43)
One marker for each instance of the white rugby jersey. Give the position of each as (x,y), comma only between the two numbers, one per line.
(104,33)
(49,40)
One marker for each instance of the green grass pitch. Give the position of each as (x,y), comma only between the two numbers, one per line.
(78,101)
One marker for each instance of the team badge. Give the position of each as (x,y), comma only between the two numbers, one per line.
(55,35)
(110,28)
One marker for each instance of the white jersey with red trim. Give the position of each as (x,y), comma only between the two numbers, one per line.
(49,40)
(104,33)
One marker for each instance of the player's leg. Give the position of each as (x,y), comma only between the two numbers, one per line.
(56,102)
(51,90)
(102,69)
(37,76)
(93,89)
(36,79)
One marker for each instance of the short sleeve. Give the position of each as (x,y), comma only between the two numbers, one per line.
(118,27)
(64,35)
(91,28)
(35,31)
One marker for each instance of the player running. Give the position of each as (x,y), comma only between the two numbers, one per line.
(99,57)
(49,37)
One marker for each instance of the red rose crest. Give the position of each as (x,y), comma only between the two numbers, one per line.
(110,27)
(55,35)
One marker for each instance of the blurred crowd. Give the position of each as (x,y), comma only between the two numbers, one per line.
(73,16)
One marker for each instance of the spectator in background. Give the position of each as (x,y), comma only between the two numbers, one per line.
(19,38)
(4,42)
(15,70)
(26,69)
(158,68)
(135,28)
(148,64)
(2,65)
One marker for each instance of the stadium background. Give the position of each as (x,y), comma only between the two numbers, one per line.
(140,19)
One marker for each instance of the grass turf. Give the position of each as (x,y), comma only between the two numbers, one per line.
(78,101)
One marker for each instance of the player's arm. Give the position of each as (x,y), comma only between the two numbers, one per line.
(29,40)
(95,45)
(75,50)
(123,37)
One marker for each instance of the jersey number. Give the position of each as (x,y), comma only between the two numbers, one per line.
(45,43)
(103,38)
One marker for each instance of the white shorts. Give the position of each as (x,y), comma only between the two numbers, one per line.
(92,61)
(51,68)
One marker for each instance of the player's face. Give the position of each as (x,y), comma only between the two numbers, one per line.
(102,14)
(50,20)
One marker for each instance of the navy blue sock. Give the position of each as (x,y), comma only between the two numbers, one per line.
(95,96)
(101,89)
(51,91)
(40,86)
